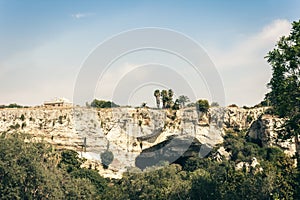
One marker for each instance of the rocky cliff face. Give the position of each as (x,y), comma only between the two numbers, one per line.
(265,130)
(128,131)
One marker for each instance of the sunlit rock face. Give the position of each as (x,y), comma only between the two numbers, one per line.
(126,131)
(265,131)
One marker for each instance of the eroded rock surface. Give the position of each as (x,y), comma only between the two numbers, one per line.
(265,131)
(127,131)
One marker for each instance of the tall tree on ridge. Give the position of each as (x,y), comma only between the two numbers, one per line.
(170,98)
(182,99)
(285,83)
(164,97)
(157,97)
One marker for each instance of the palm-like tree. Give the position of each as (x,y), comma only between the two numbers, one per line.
(157,97)
(170,102)
(164,96)
(170,94)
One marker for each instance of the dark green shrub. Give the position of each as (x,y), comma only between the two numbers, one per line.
(29,171)
(60,118)
(249,119)
(106,158)
(191,105)
(23,125)
(202,105)
(70,160)
(14,105)
(15,126)
(22,117)
(270,111)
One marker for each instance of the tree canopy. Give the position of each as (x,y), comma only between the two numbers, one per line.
(202,105)
(103,104)
(285,82)
(182,99)
(37,171)
(29,171)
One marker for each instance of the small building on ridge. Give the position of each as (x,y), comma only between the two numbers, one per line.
(58,102)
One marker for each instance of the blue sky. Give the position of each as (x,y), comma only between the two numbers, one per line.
(44,43)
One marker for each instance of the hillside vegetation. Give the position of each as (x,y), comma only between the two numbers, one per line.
(38,171)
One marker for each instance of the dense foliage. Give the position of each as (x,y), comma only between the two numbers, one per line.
(285,83)
(273,178)
(202,105)
(37,171)
(103,104)
(13,105)
(106,158)
(166,96)
(182,100)
(29,171)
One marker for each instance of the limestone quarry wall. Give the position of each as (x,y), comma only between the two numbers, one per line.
(124,131)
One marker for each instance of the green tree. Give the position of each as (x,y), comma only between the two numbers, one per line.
(70,160)
(93,176)
(168,182)
(203,186)
(157,97)
(167,98)
(103,104)
(14,105)
(170,102)
(22,117)
(106,158)
(29,171)
(170,94)
(285,83)
(202,105)
(182,99)
(164,97)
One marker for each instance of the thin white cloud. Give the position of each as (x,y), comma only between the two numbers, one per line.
(253,48)
(243,68)
(82,15)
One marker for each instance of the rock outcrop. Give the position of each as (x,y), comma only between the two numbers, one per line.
(265,131)
(128,131)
